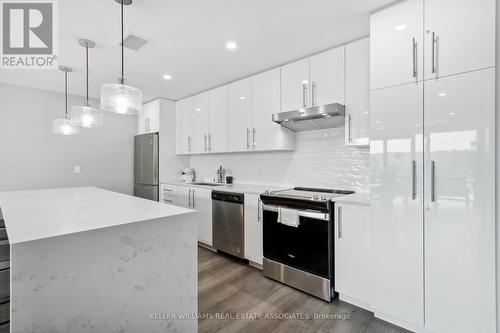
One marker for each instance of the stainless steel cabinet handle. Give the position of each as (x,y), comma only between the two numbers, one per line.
(210,142)
(205,142)
(339,222)
(253,136)
(414,57)
(434,44)
(194,202)
(258,210)
(304,95)
(248,140)
(349,120)
(414,180)
(189,144)
(189,198)
(313,93)
(433,181)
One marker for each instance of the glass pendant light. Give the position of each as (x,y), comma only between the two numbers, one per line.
(64,126)
(118,97)
(86,116)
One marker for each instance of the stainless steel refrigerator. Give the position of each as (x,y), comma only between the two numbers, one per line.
(146,166)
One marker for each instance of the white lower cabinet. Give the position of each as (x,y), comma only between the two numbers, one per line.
(352,253)
(199,199)
(202,203)
(253,229)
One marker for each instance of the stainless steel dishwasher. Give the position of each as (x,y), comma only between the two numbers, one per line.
(228,222)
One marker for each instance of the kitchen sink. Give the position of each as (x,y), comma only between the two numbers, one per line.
(207,184)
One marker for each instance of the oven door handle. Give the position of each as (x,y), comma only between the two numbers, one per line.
(303,213)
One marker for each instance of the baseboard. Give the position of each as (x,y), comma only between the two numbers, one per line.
(206,246)
(354,301)
(399,322)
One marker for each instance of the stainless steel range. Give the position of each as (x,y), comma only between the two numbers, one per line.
(298,235)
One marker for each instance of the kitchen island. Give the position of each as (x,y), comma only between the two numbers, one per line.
(90,260)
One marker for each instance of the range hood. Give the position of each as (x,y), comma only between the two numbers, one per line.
(313,118)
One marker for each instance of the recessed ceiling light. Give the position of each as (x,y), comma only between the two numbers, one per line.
(242,97)
(442,94)
(452,113)
(198,109)
(231,45)
(167,77)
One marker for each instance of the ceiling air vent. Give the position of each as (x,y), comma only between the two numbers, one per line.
(133,41)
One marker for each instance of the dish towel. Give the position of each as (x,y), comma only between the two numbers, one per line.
(289,217)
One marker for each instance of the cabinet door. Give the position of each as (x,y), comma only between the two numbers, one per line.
(141,121)
(327,75)
(203,204)
(240,115)
(183,196)
(218,105)
(200,123)
(295,85)
(357,92)
(352,249)
(396,169)
(464,36)
(253,228)
(460,205)
(266,134)
(396,44)
(184,126)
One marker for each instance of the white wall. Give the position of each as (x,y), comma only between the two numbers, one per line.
(32,157)
(321,159)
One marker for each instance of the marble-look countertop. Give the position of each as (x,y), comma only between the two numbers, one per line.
(358,198)
(38,214)
(238,188)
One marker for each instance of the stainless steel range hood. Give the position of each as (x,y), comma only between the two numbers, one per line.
(316,117)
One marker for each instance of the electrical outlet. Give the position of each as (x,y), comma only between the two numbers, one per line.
(76,169)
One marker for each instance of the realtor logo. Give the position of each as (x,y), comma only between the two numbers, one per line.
(28,34)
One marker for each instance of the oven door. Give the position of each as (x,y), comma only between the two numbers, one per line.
(307,247)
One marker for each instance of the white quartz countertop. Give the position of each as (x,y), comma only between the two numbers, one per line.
(38,214)
(358,198)
(239,188)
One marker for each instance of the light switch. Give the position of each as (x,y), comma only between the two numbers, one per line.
(76,169)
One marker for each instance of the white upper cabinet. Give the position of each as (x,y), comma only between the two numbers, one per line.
(200,114)
(357,92)
(184,126)
(218,108)
(460,191)
(317,80)
(295,85)
(240,115)
(396,209)
(149,118)
(327,77)
(459,36)
(397,44)
(266,134)
(253,229)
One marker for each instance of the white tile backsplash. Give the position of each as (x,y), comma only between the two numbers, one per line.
(321,159)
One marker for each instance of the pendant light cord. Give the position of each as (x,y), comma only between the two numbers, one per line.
(123,76)
(87,64)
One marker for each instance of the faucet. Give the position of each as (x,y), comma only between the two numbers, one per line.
(220,175)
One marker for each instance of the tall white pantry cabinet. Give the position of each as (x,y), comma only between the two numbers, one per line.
(432,159)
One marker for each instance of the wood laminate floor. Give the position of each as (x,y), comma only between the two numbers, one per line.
(228,289)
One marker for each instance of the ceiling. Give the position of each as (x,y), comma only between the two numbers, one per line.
(188,41)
